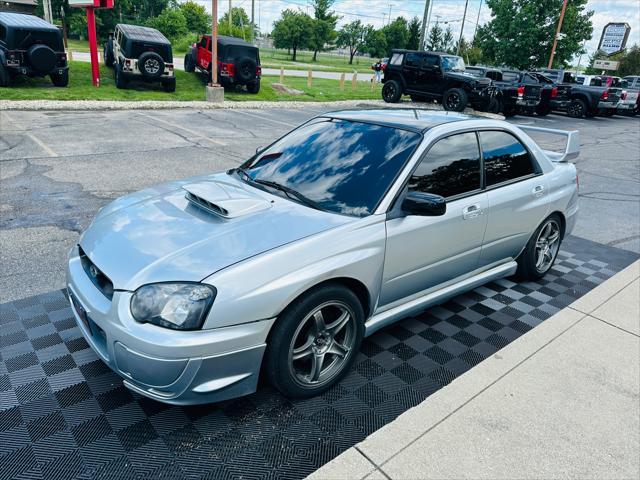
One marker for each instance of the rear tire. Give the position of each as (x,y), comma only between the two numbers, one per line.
(315,341)
(5,78)
(254,87)
(577,108)
(542,249)
(391,91)
(543,110)
(169,85)
(455,100)
(60,79)
(108,54)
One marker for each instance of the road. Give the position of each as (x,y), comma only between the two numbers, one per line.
(58,168)
(178,63)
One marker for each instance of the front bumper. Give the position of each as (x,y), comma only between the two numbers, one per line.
(170,366)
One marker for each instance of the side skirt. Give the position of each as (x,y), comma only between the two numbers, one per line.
(394,314)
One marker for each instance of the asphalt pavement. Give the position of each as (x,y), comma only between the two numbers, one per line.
(58,168)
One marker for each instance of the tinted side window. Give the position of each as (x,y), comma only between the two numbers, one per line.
(3,34)
(430,60)
(505,158)
(413,59)
(203,42)
(451,167)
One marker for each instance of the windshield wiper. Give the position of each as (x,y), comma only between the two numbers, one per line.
(289,192)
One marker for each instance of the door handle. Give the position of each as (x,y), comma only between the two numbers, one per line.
(472,211)
(538,191)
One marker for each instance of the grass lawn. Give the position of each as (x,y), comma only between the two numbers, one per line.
(190,86)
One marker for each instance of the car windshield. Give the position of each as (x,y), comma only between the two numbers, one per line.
(453,64)
(338,166)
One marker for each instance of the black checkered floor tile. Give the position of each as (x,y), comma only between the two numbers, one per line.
(64,414)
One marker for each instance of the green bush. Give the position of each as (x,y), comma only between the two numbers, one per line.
(171,23)
(182,44)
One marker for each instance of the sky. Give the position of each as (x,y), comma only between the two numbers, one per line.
(376,13)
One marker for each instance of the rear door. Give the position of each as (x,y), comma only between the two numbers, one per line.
(516,193)
(423,252)
(412,69)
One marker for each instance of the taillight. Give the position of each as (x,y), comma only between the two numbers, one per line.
(521,91)
(554,92)
(259,71)
(605,95)
(623,95)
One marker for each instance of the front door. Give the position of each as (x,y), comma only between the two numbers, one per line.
(423,252)
(412,69)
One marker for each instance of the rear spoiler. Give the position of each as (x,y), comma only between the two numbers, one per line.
(572,148)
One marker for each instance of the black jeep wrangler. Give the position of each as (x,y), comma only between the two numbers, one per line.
(238,62)
(436,76)
(140,53)
(30,46)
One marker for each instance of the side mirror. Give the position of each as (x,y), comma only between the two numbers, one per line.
(424,204)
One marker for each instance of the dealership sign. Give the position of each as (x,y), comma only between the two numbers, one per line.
(606,64)
(614,37)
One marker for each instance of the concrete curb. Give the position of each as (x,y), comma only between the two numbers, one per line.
(92,105)
(366,458)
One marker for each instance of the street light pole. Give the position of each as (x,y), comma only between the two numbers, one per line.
(253,28)
(555,39)
(464,17)
(425,20)
(475,30)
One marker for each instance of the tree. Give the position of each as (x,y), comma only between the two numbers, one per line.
(198,20)
(324,26)
(240,24)
(630,62)
(353,36)
(447,41)
(521,32)
(472,55)
(293,31)
(397,33)
(171,23)
(413,40)
(375,43)
(434,39)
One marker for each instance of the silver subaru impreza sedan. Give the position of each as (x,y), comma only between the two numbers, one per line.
(193,289)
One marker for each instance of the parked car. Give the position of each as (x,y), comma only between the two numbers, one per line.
(32,47)
(630,100)
(238,62)
(140,53)
(607,106)
(577,99)
(352,221)
(435,76)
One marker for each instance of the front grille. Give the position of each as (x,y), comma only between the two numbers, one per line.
(99,279)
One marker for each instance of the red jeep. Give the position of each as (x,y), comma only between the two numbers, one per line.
(238,62)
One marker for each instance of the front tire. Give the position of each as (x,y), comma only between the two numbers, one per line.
(315,341)
(189,63)
(542,249)
(455,100)
(391,91)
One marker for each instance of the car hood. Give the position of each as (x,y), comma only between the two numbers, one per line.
(467,77)
(158,235)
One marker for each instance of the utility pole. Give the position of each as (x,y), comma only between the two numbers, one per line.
(390,5)
(555,39)
(253,23)
(214,43)
(425,20)
(230,20)
(464,17)
(475,30)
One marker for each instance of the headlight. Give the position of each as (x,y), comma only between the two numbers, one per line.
(180,306)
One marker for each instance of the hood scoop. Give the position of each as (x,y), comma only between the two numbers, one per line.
(223,199)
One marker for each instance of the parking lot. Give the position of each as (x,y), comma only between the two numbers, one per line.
(59,168)
(65,414)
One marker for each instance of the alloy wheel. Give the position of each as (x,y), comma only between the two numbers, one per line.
(575,110)
(547,246)
(152,66)
(322,344)
(453,101)
(389,91)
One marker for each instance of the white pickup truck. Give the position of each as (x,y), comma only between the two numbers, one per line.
(630,100)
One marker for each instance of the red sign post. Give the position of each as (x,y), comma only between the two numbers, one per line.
(91,6)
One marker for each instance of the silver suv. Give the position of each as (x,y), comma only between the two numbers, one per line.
(140,53)
(350,222)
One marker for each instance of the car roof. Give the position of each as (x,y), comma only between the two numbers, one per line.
(20,20)
(414,119)
(402,50)
(225,40)
(143,34)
